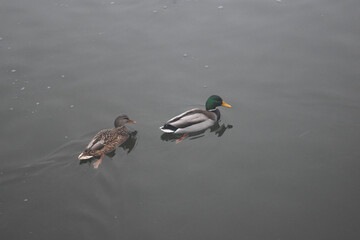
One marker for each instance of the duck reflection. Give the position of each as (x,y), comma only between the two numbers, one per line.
(130,143)
(218,129)
(127,146)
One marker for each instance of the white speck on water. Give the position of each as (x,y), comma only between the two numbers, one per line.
(22,89)
(11,109)
(112,3)
(154,11)
(9,48)
(63,76)
(303,134)
(185,55)
(25,200)
(13,70)
(220,7)
(48,87)
(72,106)
(37,103)
(206,66)
(66,137)
(1,38)
(279,1)
(204,86)
(165,7)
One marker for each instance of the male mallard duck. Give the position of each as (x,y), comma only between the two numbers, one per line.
(107,140)
(195,120)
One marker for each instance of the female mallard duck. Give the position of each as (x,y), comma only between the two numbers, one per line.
(195,120)
(107,140)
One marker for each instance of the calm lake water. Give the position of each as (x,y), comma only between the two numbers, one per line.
(284,166)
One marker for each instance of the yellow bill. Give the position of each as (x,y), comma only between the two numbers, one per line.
(225,104)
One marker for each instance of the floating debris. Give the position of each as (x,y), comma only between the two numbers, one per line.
(1,38)
(25,200)
(185,55)
(154,11)
(279,1)
(112,3)
(11,109)
(220,7)
(72,106)
(22,89)
(204,86)
(37,103)
(48,87)
(66,137)
(165,7)
(13,70)
(206,66)
(63,76)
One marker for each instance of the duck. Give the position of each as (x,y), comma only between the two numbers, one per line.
(195,120)
(107,140)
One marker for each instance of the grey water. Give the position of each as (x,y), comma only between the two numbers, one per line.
(283,163)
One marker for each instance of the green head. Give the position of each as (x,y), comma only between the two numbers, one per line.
(215,101)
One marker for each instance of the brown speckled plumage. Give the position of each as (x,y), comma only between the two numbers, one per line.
(107,140)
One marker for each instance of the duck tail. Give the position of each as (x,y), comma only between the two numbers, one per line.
(168,128)
(84,156)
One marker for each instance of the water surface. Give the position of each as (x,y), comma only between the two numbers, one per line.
(287,168)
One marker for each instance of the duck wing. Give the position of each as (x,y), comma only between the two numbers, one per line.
(98,142)
(97,146)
